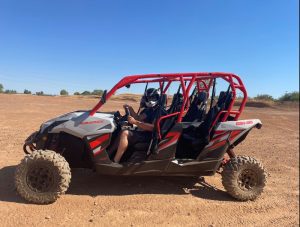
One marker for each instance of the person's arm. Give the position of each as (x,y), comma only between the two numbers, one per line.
(133,113)
(142,125)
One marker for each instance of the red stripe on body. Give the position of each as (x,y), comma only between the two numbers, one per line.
(234,134)
(100,151)
(175,136)
(99,140)
(219,144)
(219,132)
(219,137)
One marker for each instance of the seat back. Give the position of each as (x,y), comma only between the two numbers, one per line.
(196,138)
(197,108)
(163,102)
(139,149)
(176,104)
(222,104)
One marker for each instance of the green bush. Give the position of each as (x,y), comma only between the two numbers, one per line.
(86,93)
(39,93)
(290,96)
(27,92)
(264,97)
(64,92)
(98,92)
(1,88)
(10,91)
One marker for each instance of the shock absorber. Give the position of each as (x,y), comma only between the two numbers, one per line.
(231,153)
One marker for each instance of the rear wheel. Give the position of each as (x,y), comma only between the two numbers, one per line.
(244,178)
(42,176)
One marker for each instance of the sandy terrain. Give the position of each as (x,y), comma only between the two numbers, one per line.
(96,200)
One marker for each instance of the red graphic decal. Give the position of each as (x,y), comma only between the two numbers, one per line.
(219,144)
(91,122)
(244,122)
(174,136)
(99,140)
(219,132)
(235,134)
(98,152)
(219,137)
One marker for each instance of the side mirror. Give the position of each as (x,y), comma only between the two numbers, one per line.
(103,98)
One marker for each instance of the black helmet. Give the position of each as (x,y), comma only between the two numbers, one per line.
(150,98)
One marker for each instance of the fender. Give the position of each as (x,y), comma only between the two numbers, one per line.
(236,129)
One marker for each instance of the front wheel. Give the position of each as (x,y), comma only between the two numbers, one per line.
(42,176)
(244,178)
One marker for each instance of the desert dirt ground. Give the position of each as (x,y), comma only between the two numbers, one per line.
(102,201)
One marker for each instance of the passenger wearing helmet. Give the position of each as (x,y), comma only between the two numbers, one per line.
(144,122)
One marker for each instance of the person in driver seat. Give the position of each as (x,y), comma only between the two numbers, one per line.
(144,122)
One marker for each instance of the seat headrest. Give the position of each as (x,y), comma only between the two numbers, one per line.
(221,99)
(178,98)
(224,99)
(201,97)
(164,98)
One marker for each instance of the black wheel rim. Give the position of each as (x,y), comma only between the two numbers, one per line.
(247,179)
(40,179)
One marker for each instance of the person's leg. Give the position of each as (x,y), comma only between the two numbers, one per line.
(140,154)
(123,145)
(111,151)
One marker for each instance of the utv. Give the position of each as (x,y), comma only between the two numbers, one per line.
(193,132)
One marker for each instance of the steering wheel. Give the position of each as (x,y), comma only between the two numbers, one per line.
(122,120)
(127,112)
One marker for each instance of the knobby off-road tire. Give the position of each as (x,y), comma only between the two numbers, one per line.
(42,176)
(244,178)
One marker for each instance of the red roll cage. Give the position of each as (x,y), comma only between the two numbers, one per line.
(202,80)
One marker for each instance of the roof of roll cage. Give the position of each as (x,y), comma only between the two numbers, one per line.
(204,77)
(176,76)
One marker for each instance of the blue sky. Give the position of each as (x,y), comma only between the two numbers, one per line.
(84,45)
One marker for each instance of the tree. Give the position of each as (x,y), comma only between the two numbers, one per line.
(64,92)
(264,97)
(39,93)
(27,92)
(10,91)
(86,93)
(98,92)
(1,88)
(290,96)
(76,93)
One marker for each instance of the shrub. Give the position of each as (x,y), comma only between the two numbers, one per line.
(1,88)
(27,92)
(264,97)
(76,93)
(39,93)
(64,92)
(290,96)
(10,91)
(86,93)
(98,92)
